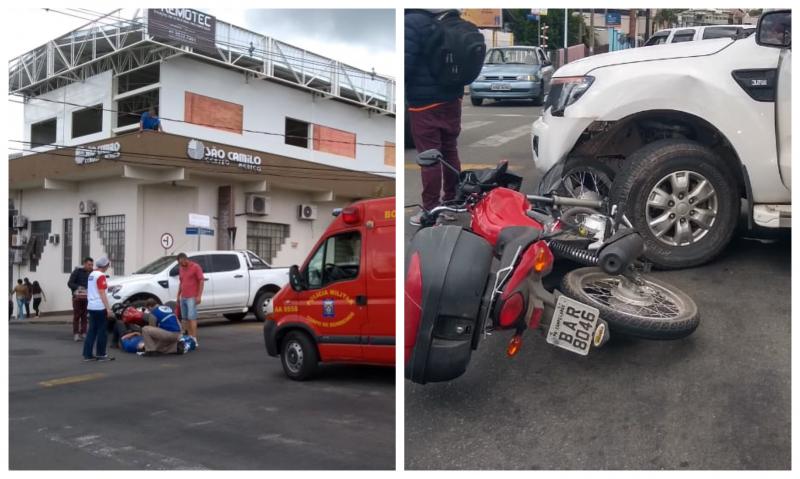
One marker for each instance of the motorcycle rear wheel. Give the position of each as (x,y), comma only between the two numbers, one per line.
(653,310)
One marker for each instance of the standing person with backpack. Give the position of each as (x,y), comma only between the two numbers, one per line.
(443,54)
(77,283)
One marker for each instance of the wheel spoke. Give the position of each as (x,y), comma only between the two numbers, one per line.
(702,191)
(703,217)
(661,224)
(683,232)
(659,198)
(679,181)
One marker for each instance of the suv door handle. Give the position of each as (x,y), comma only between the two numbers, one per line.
(205,279)
(239,276)
(361,300)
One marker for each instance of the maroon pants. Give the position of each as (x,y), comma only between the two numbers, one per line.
(79,306)
(438,127)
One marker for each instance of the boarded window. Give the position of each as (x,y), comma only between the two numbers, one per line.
(87,121)
(388,153)
(296,133)
(43,133)
(336,142)
(213,113)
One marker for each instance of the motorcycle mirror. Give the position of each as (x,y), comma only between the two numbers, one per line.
(429,157)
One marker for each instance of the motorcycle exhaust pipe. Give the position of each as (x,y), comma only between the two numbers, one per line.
(615,257)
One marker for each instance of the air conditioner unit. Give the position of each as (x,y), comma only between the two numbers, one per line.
(87,207)
(18,240)
(20,222)
(53,239)
(307,212)
(19,257)
(257,205)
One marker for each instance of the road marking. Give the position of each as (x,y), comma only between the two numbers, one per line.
(201,423)
(502,138)
(72,380)
(281,439)
(471,125)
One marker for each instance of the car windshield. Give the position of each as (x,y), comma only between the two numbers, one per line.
(519,56)
(156,266)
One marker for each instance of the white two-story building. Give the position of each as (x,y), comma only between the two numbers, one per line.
(263,138)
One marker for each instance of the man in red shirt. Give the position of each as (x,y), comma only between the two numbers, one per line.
(190,292)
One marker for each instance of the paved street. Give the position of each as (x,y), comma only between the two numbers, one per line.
(226,406)
(719,399)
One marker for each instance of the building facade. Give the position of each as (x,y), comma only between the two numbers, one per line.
(262,150)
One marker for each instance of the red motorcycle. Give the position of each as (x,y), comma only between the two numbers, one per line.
(455,294)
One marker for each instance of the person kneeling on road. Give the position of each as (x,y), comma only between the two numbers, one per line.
(164,331)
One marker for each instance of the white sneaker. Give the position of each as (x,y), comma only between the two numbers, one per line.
(76,338)
(416,219)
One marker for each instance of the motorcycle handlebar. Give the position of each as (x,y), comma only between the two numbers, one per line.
(564,201)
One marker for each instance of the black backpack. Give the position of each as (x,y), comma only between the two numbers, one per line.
(455,50)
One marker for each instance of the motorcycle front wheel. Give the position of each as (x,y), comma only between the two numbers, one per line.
(651,309)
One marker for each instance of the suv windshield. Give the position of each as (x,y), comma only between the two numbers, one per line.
(156,266)
(521,56)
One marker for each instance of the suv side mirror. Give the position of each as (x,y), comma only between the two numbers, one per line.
(429,157)
(775,29)
(296,280)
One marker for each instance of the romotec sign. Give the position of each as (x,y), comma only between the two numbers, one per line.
(184,25)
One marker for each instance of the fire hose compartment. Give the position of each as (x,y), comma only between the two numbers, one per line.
(453,266)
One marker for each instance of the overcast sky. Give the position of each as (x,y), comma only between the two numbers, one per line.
(362,38)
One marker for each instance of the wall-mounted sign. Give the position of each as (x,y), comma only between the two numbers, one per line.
(93,154)
(219,156)
(613,18)
(184,25)
(484,17)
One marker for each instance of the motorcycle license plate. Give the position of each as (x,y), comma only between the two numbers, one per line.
(572,326)
(501,86)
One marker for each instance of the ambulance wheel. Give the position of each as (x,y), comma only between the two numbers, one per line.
(263,305)
(299,356)
(234,317)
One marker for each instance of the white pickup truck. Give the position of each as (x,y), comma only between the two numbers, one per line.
(679,135)
(237,282)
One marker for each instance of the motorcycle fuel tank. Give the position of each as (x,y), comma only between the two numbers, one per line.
(499,209)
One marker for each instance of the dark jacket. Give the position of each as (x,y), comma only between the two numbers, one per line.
(421,87)
(78,277)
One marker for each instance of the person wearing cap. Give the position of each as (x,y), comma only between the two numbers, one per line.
(99,310)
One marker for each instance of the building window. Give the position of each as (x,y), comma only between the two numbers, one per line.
(87,121)
(138,78)
(85,237)
(130,109)
(43,132)
(296,133)
(266,239)
(40,230)
(112,235)
(67,245)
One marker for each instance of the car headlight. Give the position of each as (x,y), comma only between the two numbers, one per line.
(527,77)
(114,289)
(567,91)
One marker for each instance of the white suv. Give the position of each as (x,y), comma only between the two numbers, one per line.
(677,135)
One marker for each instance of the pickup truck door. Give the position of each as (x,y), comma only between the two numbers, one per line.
(208,290)
(379,330)
(230,277)
(783,112)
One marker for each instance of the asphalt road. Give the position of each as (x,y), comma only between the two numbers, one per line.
(719,399)
(225,406)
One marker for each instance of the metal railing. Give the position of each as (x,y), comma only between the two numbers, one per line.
(120,42)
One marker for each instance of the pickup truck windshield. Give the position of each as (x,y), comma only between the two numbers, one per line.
(157,266)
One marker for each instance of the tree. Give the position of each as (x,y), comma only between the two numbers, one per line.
(526,32)
(666,17)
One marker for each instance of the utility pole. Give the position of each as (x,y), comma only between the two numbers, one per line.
(566,29)
(591,32)
(580,26)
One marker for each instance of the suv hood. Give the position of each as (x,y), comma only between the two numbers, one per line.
(643,54)
(134,278)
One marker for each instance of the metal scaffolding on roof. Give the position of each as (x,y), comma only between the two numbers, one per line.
(120,42)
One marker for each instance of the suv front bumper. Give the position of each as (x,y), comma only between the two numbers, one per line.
(552,138)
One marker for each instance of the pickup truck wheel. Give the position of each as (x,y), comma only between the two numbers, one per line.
(263,305)
(681,198)
(235,317)
(298,356)
(476,101)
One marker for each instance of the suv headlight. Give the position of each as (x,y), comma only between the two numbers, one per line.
(527,77)
(565,91)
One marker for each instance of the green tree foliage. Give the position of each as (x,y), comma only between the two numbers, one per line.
(526,31)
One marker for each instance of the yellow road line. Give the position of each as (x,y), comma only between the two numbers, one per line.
(72,380)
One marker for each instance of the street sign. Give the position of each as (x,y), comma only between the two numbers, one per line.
(199,220)
(197,230)
(613,18)
(539,11)
(167,241)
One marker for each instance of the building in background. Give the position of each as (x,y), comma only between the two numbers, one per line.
(263,137)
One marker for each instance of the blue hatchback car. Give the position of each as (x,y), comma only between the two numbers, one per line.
(513,73)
